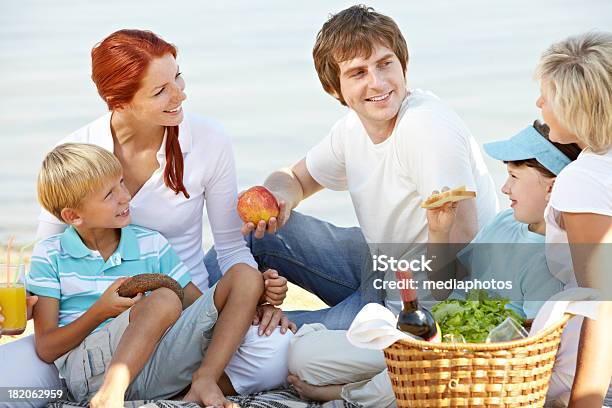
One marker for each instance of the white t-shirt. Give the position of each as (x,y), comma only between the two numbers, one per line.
(584,186)
(209,177)
(430,147)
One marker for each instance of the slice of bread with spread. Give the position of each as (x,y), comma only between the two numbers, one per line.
(456,194)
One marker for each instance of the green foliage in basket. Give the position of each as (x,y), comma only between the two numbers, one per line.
(473,318)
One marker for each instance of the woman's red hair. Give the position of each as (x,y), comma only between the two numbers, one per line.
(118,65)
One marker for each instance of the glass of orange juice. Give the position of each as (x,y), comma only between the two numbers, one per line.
(12,301)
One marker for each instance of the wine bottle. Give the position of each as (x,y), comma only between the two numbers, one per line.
(414,319)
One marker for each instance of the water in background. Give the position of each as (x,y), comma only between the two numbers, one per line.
(248,64)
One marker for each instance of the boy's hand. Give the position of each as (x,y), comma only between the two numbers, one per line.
(269,317)
(110,304)
(206,393)
(30,302)
(441,219)
(104,400)
(275,287)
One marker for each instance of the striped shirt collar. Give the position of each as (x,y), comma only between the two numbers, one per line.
(73,245)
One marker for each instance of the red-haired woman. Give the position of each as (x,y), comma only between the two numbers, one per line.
(173,164)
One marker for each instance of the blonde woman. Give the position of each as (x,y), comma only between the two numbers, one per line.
(576,102)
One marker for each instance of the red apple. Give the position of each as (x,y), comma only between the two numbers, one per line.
(256,204)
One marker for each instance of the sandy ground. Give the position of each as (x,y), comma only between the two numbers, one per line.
(297,299)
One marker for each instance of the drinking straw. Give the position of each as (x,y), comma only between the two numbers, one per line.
(8,260)
(20,260)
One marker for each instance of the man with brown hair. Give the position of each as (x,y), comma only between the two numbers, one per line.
(390,151)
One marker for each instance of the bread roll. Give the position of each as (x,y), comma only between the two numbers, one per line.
(147,282)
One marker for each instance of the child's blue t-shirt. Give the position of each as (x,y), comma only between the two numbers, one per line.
(65,269)
(505,250)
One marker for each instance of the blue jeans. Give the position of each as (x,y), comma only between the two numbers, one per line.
(332,263)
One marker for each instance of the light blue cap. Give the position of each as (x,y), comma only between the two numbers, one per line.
(529,144)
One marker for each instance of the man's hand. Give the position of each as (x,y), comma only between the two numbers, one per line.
(289,186)
(273,224)
(441,219)
(110,304)
(269,317)
(275,288)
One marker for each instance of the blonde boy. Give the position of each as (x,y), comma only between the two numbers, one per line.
(107,346)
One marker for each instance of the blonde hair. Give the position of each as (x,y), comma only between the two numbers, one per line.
(70,172)
(578,71)
(350,33)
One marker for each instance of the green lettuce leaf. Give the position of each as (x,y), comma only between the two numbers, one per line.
(473,318)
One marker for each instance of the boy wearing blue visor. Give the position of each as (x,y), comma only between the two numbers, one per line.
(533,162)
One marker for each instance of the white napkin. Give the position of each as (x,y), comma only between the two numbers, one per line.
(374,328)
(577,301)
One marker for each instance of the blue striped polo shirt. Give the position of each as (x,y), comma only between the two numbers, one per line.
(65,269)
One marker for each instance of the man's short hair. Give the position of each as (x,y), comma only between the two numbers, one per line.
(578,71)
(70,172)
(350,33)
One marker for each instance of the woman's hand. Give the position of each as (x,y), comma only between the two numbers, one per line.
(275,288)
(441,219)
(269,317)
(30,302)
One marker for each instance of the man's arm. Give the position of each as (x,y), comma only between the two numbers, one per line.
(587,234)
(290,187)
(294,184)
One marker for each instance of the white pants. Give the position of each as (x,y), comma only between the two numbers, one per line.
(21,367)
(325,357)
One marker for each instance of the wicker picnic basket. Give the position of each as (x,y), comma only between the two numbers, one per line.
(507,374)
